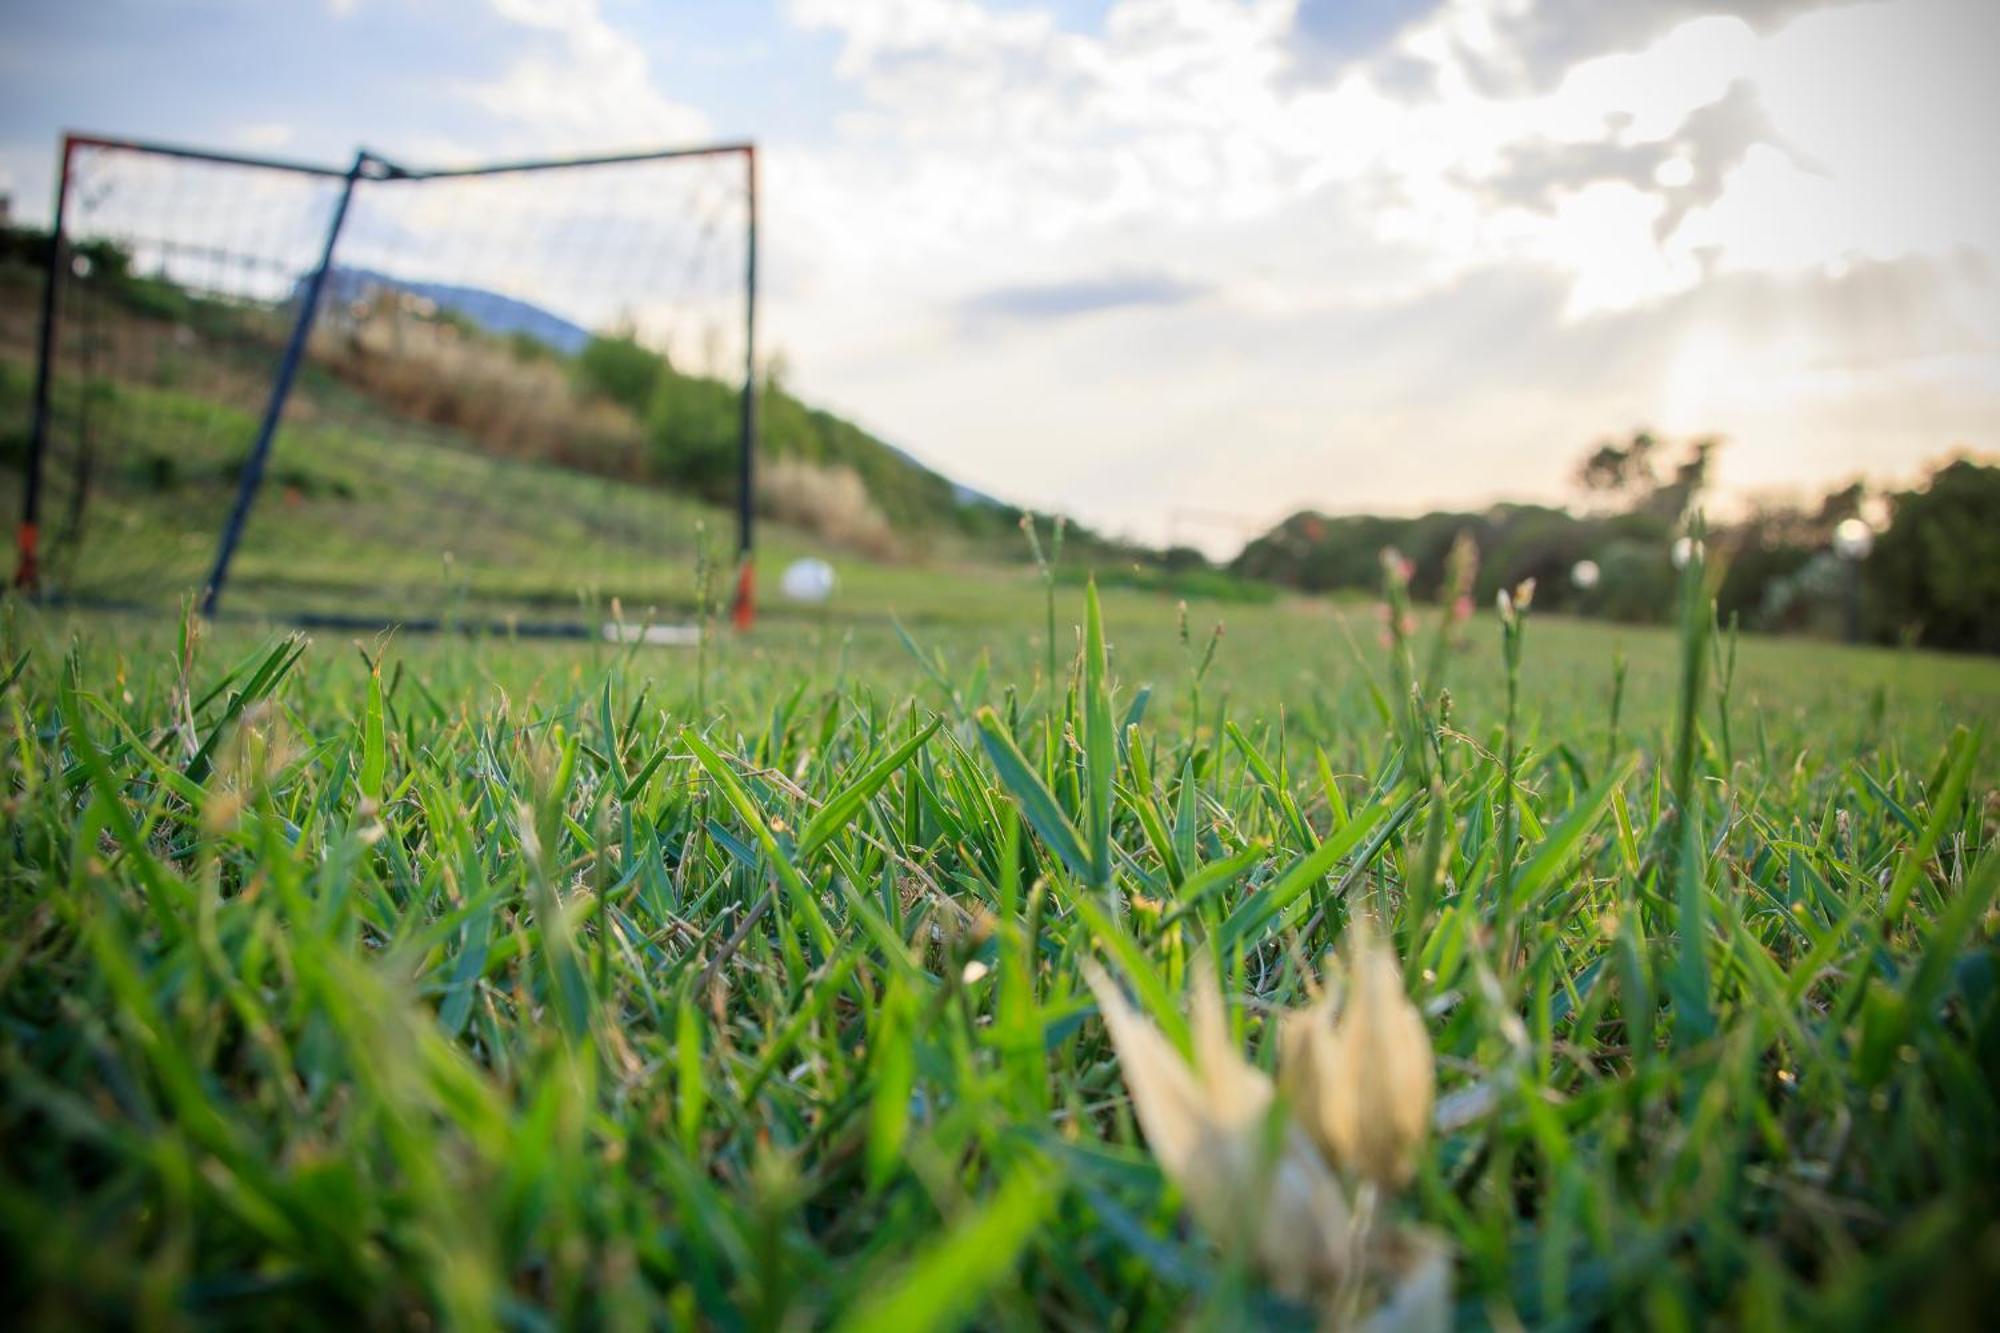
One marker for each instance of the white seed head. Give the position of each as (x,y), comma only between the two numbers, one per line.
(1365,1081)
(1208,1127)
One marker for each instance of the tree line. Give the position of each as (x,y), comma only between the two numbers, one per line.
(1931,575)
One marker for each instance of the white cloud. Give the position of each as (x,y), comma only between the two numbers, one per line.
(996,151)
(1181,113)
(585,85)
(1178,258)
(1891,118)
(265,135)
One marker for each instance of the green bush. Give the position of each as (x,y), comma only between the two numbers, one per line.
(1934,576)
(1635,582)
(1190,584)
(621,369)
(693,431)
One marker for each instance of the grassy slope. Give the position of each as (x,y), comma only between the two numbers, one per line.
(489,1000)
(362,516)
(366,511)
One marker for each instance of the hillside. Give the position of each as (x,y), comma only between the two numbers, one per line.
(492,312)
(430,465)
(830,475)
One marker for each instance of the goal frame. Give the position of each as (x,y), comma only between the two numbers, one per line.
(372,170)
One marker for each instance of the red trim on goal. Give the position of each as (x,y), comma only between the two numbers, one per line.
(27,571)
(744,613)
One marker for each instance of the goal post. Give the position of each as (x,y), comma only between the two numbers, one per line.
(514,393)
(251,479)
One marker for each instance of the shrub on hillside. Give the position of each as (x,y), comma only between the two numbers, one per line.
(620,368)
(435,373)
(831,502)
(694,434)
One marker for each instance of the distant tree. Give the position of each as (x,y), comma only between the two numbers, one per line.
(1775,570)
(1840,505)
(692,429)
(621,368)
(1635,582)
(1757,556)
(1182,559)
(526,346)
(1935,574)
(1673,497)
(1616,471)
(24,245)
(1627,476)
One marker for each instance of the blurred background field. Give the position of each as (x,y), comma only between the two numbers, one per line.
(433,467)
(1314,658)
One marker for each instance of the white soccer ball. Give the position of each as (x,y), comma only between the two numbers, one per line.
(1584,574)
(807,580)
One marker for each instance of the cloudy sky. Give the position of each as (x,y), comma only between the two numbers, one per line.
(1182,266)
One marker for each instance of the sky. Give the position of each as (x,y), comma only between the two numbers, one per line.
(1181,267)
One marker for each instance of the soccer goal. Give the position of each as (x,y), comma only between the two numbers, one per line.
(518,394)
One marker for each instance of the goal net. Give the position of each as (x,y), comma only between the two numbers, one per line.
(509,395)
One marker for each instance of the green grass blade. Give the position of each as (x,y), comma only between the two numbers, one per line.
(1038,804)
(947,1280)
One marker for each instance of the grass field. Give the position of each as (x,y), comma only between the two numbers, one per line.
(423,981)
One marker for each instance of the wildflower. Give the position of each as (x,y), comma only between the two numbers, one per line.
(1461,567)
(1359,1088)
(1365,1082)
(1208,1125)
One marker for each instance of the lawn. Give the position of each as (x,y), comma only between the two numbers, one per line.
(419,981)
